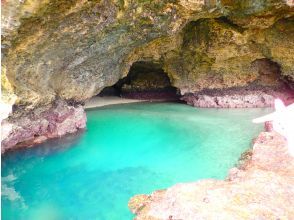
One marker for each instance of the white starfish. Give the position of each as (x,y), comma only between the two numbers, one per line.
(283,122)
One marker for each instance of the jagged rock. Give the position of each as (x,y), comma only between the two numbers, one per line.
(254,192)
(34,127)
(246,97)
(217,54)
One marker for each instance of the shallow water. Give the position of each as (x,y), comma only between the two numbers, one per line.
(126,150)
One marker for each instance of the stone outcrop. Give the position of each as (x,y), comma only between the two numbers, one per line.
(246,97)
(261,188)
(29,128)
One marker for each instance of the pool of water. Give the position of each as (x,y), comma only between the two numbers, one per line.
(126,150)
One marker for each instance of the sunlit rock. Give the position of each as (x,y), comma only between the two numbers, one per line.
(255,190)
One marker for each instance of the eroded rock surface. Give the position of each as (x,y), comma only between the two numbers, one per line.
(244,97)
(36,126)
(261,188)
(73,49)
(217,54)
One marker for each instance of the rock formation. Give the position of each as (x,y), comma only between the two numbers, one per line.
(148,81)
(261,188)
(73,49)
(33,127)
(70,50)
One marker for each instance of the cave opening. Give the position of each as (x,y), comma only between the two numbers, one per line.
(146,81)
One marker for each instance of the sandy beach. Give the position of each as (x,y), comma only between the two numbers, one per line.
(108,100)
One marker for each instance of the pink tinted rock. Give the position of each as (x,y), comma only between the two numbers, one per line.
(41,124)
(239,97)
(262,189)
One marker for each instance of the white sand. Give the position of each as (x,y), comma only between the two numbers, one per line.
(108,100)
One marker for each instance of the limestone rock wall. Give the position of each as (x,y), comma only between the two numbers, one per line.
(72,49)
(218,54)
(60,49)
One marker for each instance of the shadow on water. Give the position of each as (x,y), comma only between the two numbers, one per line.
(49,147)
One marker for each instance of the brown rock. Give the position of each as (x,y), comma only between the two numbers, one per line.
(73,49)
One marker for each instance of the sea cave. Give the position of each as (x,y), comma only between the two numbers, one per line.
(118,110)
(144,81)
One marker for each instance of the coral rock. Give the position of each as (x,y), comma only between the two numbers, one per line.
(41,124)
(254,192)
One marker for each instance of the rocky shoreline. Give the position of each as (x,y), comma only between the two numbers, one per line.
(244,97)
(29,127)
(40,124)
(262,187)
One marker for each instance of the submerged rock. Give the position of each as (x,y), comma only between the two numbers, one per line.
(262,188)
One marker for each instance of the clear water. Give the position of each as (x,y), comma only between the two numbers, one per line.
(126,150)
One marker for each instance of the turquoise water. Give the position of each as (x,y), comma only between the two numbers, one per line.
(126,150)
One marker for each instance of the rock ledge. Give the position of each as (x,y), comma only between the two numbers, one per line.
(38,125)
(261,188)
(246,97)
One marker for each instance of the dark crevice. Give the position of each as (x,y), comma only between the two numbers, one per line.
(224,20)
(145,80)
(270,74)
